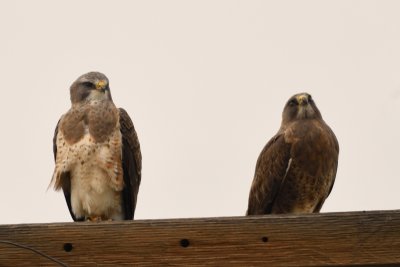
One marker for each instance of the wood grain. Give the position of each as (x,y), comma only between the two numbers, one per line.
(328,239)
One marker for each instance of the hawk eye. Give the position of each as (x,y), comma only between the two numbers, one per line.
(292,103)
(88,84)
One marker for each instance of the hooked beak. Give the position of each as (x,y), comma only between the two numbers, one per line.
(101,85)
(302,99)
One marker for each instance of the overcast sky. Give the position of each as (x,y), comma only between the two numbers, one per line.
(205,83)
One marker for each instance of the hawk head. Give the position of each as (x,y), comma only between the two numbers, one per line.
(300,107)
(90,86)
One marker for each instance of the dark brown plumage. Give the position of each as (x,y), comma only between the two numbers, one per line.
(131,163)
(296,169)
(97,154)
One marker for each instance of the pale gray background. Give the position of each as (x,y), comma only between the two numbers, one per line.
(205,83)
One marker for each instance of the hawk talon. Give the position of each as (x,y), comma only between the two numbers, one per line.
(94,219)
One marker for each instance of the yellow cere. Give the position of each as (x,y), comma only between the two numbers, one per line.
(301,98)
(101,84)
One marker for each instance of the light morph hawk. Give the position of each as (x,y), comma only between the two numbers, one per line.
(296,169)
(97,154)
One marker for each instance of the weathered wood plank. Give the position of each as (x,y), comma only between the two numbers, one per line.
(329,239)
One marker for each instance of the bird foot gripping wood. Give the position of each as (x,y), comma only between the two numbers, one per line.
(98,219)
(94,219)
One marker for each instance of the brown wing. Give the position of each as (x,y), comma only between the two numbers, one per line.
(65,178)
(131,164)
(331,160)
(269,174)
(335,149)
(313,162)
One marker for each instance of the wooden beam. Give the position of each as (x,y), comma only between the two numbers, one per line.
(327,239)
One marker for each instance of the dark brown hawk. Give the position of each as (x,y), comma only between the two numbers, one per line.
(97,154)
(296,169)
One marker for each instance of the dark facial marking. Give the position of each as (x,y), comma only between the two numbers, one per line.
(89,85)
(293,102)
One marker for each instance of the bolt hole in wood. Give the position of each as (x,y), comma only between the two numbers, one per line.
(184,243)
(264,239)
(68,247)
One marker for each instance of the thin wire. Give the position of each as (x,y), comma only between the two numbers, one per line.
(36,251)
